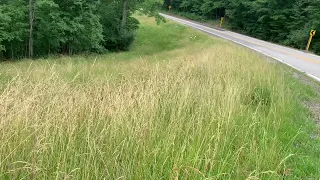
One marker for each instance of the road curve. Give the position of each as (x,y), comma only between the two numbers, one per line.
(299,60)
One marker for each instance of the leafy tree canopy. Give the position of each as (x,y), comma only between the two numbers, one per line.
(69,26)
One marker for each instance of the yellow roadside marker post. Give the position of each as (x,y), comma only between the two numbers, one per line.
(169,7)
(221,21)
(312,33)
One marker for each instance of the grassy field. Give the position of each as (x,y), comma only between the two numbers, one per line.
(179,105)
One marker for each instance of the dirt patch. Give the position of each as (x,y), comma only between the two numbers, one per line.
(313,105)
(307,81)
(315,109)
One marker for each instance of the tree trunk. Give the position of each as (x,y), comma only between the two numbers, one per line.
(216,13)
(11,49)
(124,14)
(31,19)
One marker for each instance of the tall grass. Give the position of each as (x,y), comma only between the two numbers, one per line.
(200,111)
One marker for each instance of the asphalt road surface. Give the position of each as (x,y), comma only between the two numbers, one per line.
(299,60)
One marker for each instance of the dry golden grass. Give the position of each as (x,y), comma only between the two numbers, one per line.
(207,110)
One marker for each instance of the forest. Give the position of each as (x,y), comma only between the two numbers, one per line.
(286,22)
(38,28)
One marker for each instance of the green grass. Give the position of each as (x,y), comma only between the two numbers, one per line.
(179,105)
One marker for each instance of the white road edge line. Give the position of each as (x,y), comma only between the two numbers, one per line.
(190,24)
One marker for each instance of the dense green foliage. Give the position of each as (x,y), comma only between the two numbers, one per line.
(68,26)
(287,22)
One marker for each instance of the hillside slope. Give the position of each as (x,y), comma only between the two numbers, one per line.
(180,104)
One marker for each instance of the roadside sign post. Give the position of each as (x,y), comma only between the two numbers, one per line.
(221,21)
(169,7)
(312,33)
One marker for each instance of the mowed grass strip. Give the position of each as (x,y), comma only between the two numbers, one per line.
(179,105)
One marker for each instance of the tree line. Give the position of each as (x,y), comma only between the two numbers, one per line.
(37,28)
(286,22)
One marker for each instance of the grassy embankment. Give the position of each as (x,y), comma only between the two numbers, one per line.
(179,104)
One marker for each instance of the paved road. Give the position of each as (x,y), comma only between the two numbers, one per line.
(302,61)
